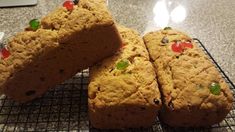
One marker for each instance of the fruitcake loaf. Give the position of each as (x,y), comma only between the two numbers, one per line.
(123,92)
(67,41)
(194,93)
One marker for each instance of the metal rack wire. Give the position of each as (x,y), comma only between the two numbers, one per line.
(64,108)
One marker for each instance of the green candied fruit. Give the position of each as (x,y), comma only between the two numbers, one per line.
(215,88)
(34,24)
(167,28)
(123,64)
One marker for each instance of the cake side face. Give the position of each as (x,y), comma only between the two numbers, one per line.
(194,92)
(123,92)
(48,56)
(24,49)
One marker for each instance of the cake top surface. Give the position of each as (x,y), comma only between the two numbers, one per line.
(126,78)
(186,75)
(85,15)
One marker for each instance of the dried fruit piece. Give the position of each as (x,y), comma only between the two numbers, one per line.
(69,5)
(181,46)
(156,101)
(75,2)
(176,47)
(4,53)
(34,24)
(215,88)
(165,40)
(167,28)
(123,64)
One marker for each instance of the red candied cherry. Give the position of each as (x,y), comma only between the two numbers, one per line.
(179,47)
(4,53)
(176,47)
(68,5)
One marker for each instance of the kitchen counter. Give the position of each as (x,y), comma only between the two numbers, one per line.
(213,21)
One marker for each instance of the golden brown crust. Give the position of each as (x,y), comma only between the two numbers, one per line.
(60,48)
(185,80)
(85,15)
(124,98)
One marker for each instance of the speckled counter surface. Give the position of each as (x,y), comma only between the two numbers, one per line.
(213,21)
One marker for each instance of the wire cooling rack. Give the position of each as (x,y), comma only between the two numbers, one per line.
(64,108)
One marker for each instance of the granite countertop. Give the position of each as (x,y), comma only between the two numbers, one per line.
(213,22)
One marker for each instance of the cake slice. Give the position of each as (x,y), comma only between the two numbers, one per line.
(123,91)
(67,41)
(194,92)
